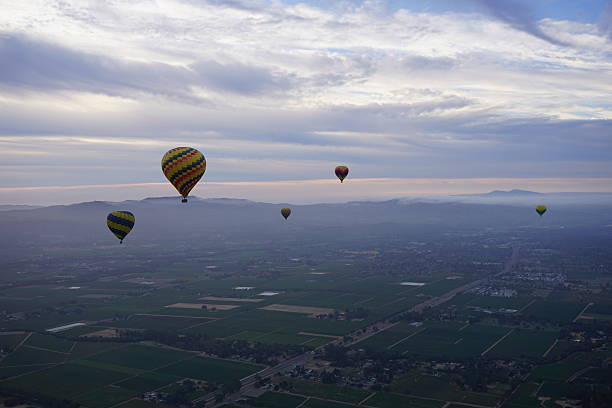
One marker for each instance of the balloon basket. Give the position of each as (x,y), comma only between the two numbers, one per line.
(184,200)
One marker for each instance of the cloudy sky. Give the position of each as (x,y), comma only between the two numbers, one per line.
(416,97)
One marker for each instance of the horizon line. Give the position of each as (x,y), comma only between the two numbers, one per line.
(416,180)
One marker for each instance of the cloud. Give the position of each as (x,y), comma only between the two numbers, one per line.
(605,20)
(30,64)
(94,92)
(517,15)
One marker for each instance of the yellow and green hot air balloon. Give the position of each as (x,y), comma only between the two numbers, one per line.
(341,172)
(120,223)
(183,167)
(286,212)
(541,209)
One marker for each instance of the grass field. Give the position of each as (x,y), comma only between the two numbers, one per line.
(11,340)
(554,311)
(558,371)
(64,381)
(8,372)
(141,357)
(27,355)
(148,382)
(451,341)
(328,391)
(389,400)
(49,342)
(156,322)
(531,343)
(277,400)
(525,395)
(209,369)
(317,403)
(387,338)
(106,397)
(440,388)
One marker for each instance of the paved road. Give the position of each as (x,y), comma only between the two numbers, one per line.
(356,336)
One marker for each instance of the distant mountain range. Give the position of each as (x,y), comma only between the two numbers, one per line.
(166,219)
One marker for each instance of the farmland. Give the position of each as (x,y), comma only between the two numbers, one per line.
(325,318)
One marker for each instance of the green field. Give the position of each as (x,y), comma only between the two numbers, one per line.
(148,382)
(384,339)
(552,311)
(141,357)
(49,343)
(558,371)
(27,355)
(525,395)
(328,391)
(276,400)
(106,397)
(210,369)
(530,343)
(439,388)
(11,340)
(453,341)
(64,381)
(389,400)
(317,403)
(157,322)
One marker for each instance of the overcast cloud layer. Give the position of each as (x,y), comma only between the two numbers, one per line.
(94,92)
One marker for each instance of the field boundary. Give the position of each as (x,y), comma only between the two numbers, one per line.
(497,342)
(406,338)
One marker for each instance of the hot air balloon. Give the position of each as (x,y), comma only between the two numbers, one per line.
(183,167)
(342,172)
(120,223)
(286,212)
(541,209)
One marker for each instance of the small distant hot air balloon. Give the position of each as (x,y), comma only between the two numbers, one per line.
(183,167)
(286,212)
(342,172)
(120,223)
(541,209)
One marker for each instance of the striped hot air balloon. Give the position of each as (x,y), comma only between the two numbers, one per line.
(341,172)
(120,223)
(183,167)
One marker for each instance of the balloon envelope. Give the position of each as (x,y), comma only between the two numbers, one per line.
(120,223)
(341,172)
(541,209)
(286,212)
(183,167)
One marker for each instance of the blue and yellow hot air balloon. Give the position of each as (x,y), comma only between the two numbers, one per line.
(286,212)
(541,209)
(120,223)
(183,167)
